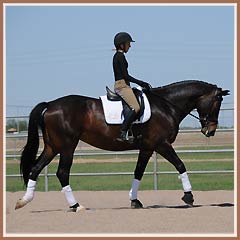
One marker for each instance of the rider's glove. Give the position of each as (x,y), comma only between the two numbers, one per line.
(145,85)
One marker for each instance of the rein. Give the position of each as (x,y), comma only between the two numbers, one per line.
(198,118)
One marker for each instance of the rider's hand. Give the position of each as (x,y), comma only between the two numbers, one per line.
(146,85)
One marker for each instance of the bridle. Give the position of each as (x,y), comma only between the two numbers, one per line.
(205,121)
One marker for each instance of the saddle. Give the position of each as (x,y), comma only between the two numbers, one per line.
(114,107)
(112,96)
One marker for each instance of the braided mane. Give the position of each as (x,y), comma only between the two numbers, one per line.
(184,83)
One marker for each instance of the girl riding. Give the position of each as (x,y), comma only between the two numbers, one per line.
(122,42)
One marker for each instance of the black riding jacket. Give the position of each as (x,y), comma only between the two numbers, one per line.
(120,69)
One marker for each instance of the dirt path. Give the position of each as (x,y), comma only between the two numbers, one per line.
(108,212)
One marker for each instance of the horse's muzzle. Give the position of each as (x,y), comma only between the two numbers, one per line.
(209,131)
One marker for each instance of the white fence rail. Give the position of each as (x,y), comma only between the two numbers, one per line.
(155,171)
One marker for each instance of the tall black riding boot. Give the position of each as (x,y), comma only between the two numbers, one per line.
(129,118)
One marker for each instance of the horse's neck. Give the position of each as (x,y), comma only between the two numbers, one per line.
(184,102)
(183,105)
(181,101)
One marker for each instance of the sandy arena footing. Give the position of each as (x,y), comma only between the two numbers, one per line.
(109,212)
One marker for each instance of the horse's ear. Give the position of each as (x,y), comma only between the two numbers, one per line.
(225,92)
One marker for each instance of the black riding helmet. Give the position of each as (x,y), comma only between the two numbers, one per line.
(121,38)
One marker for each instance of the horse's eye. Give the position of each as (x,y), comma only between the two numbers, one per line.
(219,97)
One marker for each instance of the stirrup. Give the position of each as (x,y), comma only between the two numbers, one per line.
(124,137)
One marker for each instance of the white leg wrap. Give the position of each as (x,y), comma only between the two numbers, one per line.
(30,191)
(69,195)
(134,189)
(185,182)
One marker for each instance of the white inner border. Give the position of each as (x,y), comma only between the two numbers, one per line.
(127,5)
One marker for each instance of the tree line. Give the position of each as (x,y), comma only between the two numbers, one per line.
(18,125)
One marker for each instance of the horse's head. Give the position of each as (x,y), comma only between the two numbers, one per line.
(208,107)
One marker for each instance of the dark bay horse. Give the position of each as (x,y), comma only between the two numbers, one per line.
(69,119)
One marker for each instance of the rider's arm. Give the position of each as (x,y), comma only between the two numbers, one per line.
(123,67)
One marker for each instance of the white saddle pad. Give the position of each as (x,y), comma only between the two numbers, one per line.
(113,111)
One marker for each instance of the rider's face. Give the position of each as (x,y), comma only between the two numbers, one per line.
(127,46)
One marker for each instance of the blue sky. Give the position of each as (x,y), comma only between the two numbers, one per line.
(52,51)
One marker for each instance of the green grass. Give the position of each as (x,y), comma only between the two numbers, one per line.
(95,183)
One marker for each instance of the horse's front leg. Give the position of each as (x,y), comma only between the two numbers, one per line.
(168,153)
(143,158)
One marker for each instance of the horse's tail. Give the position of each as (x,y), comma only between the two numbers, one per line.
(28,157)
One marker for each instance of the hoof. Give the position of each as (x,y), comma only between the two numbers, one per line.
(20,203)
(136,204)
(188,198)
(76,208)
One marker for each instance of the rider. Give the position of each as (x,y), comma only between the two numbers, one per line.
(122,42)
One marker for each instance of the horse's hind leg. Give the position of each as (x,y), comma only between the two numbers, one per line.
(168,153)
(63,173)
(43,160)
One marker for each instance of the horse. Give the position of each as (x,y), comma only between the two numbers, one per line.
(68,119)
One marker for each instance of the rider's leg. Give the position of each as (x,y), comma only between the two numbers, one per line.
(129,118)
(125,91)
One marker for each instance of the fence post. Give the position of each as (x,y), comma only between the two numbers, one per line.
(155,169)
(46,178)
(15,148)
